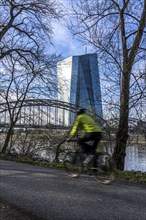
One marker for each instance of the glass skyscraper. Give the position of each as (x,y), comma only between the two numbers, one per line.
(79,82)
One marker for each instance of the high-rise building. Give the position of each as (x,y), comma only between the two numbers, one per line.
(79,82)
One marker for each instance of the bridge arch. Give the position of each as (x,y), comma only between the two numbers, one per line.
(38,113)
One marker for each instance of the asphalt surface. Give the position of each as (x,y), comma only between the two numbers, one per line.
(8,212)
(41,193)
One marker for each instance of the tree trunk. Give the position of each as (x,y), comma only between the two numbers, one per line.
(7,140)
(122,134)
(120,148)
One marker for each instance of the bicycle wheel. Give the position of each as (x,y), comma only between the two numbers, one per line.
(73,164)
(104,168)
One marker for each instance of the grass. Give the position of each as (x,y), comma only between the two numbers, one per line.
(131,176)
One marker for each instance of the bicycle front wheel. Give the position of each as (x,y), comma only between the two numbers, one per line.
(105,170)
(73,164)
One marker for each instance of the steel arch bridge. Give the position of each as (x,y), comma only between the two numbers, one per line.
(37,113)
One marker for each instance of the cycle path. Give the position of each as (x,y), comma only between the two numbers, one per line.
(49,194)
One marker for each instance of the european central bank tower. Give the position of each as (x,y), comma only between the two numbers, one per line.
(79,82)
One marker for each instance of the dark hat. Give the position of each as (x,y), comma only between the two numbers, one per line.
(80,111)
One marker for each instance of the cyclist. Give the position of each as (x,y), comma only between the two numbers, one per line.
(92,132)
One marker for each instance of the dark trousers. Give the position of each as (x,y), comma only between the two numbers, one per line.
(89,136)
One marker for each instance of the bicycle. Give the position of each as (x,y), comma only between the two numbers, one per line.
(102,165)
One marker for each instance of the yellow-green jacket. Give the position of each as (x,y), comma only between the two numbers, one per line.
(86,123)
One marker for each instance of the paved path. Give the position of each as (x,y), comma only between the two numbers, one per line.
(49,194)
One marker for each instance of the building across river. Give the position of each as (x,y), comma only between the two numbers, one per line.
(79,83)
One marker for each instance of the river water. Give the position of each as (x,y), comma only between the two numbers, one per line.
(135,158)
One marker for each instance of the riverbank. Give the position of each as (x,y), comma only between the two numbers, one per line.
(131,176)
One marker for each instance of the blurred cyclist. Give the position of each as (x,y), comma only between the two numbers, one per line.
(92,132)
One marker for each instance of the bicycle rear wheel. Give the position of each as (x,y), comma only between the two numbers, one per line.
(104,170)
(73,164)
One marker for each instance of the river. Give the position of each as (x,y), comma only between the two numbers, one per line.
(136,158)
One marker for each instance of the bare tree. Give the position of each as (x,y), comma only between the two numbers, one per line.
(29,23)
(116,29)
(26,67)
(19,83)
(16,84)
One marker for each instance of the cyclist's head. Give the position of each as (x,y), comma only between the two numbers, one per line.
(80,111)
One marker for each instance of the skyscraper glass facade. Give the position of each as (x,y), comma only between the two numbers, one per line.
(79,82)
